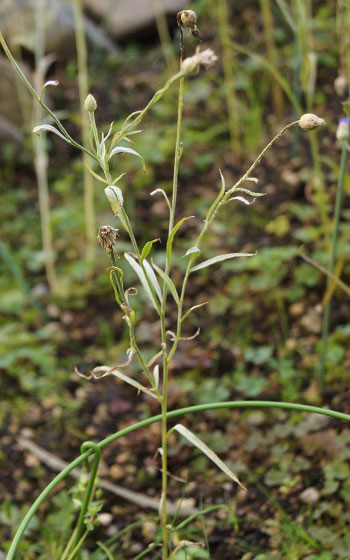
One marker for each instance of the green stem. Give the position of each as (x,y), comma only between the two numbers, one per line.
(336,220)
(95,449)
(166,361)
(147,422)
(36,96)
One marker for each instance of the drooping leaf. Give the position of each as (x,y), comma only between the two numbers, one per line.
(156,191)
(241,199)
(49,128)
(192,251)
(133,382)
(251,193)
(220,258)
(123,150)
(194,440)
(168,282)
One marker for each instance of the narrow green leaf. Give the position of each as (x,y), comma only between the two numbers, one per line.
(156,191)
(98,177)
(115,197)
(118,178)
(172,235)
(192,438)
(168,282)
(241,199)
(247,191)
(147,248)
(192,309)
(123,150)
(49,128)
(153,279)
(218,198)
(137,268)
(193,251)
(133,382)
(156,375)
(220,258)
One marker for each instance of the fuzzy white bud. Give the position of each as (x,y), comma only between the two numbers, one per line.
(309,121)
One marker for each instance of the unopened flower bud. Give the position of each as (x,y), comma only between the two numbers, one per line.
(309,121)
(205,58)
(90,104)
(107,236)
(341,85)
(343,130)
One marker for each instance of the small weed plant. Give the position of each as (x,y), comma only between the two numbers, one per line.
(161,291)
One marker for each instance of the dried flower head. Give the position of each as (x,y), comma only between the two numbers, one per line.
(188,18)
(205,58)
(90,104)
(107,236)
(343,130)
(309,121)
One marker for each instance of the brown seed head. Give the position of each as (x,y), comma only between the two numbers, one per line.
(188,18)
(107,236)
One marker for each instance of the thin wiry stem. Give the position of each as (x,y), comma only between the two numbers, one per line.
(39,100)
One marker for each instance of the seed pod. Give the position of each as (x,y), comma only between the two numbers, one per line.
(107,236)
(309,121)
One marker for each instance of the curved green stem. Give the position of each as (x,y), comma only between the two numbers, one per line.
(147,422)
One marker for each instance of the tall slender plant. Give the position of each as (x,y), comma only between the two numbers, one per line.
(157,282)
